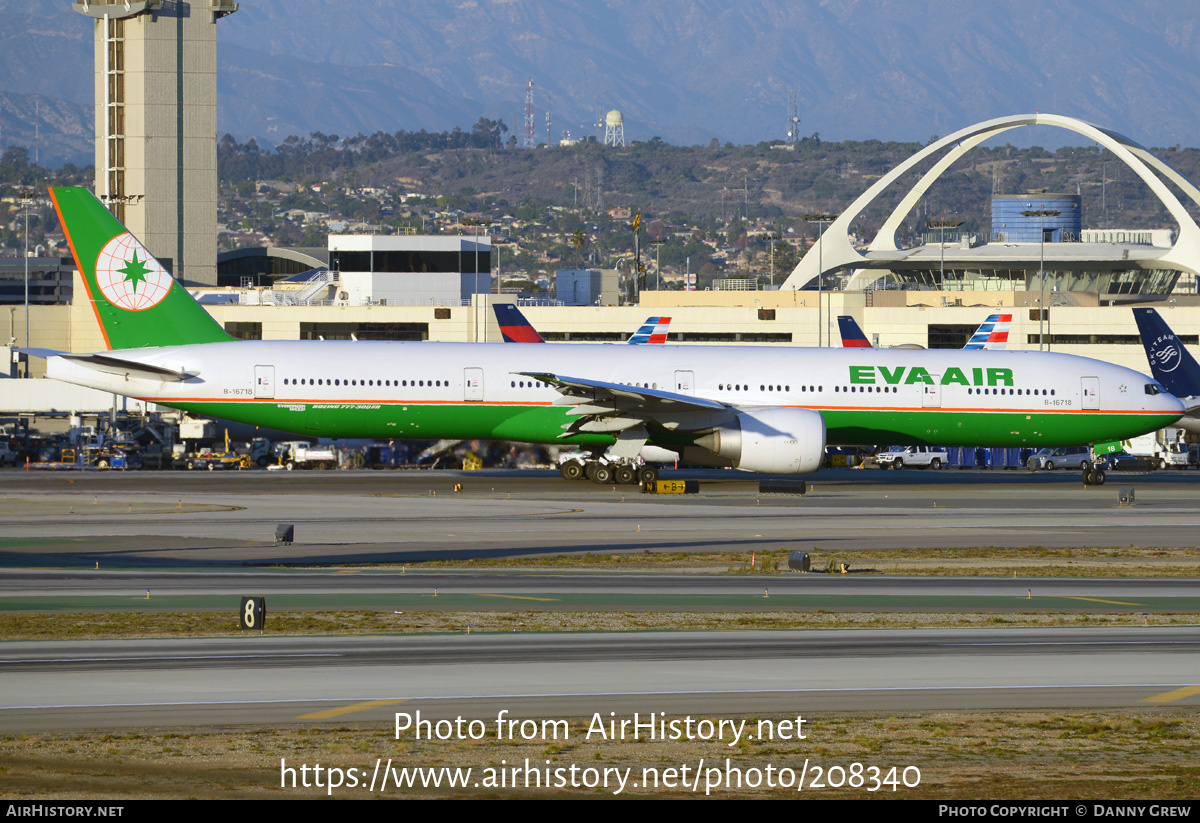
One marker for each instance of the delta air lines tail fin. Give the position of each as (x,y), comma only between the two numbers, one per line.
(852,335)
(513,325)
(135,299)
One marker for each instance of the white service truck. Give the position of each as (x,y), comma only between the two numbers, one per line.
(299,454)
(1161,449)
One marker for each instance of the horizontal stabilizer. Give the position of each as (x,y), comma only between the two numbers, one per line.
(42,353)
(128,368)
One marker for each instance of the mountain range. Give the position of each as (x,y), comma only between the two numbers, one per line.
(685,70)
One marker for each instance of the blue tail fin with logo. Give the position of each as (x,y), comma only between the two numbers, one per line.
(1170,363)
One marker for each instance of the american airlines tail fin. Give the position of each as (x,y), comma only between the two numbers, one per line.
(653,331)
(1170,363)
(513,325)
(993,334)
(852,335)
(136,301)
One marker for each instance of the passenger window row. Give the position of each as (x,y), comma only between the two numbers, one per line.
(1020,392)
(324,381)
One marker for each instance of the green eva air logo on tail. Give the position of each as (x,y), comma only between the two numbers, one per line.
(136,301)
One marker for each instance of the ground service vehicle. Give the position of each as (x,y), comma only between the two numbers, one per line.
(921,457)
(1073,457)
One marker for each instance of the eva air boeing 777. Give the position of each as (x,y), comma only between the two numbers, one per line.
(769,409)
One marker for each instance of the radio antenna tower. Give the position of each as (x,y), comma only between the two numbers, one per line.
(530,129)
(793,125)
(549,125)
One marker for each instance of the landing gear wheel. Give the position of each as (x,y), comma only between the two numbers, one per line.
(1089,476)
(571,470)
(602,475)
(648,474)
(625,475)
(1098,477)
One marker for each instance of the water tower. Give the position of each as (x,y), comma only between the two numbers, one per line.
(614,129)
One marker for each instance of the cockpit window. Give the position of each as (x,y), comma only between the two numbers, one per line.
(1153,388)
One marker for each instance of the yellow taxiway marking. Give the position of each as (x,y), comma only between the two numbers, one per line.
(1171,697)
(519,597)
(357,707)
(346,571)
(1098,600)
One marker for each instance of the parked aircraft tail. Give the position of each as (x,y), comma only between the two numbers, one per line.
(852,335)
(513,325)
(1170,363)
(135,299)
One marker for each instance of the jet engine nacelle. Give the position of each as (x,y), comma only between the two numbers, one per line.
(771,441)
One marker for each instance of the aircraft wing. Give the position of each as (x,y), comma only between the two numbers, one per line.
(599,406)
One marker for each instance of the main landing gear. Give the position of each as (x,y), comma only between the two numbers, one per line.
(604,471)
(1093,475)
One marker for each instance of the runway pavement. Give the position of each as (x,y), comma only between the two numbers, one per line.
(222,518)
(210,536)
(275,680)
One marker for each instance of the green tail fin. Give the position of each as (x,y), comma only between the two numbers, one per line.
(136,301)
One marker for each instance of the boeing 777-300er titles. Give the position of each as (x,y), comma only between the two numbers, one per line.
(763,409)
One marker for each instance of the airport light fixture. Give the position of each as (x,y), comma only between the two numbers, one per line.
(821,219)
(1043,315)
(773,238)
(942,224)
(657,265)
(478,222)
(26,201)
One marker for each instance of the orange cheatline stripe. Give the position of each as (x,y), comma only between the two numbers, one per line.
(391,402)
(343,401)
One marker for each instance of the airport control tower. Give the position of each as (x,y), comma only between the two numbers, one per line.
(156,124)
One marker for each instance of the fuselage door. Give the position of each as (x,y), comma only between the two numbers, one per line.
(473,384)
(264,381)
(685,382)
(1091,392)
(931,394)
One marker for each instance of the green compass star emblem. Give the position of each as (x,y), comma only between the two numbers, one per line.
(135,271)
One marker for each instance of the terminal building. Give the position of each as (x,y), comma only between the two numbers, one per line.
(1069,288)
